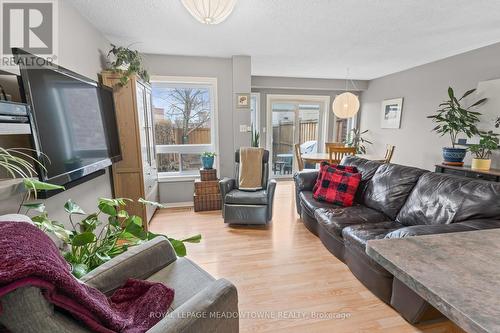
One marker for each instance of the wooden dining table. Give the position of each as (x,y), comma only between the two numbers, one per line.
(313,158)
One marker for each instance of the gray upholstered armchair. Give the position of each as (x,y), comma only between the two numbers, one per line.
(25,310)
(248,207)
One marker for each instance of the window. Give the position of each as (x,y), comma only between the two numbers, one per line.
(185,125)
(254,111)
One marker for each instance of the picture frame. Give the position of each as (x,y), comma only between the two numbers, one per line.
(391,113)
(243,101)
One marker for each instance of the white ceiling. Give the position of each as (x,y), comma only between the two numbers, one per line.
(306,38)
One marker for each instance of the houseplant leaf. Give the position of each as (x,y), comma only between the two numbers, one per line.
(83,238)
(36,185)
(38,206)
(72,208)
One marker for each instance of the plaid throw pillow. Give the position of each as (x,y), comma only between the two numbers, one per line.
(325,165)
(338,187)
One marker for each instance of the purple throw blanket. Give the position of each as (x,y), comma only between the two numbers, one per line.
(30,258)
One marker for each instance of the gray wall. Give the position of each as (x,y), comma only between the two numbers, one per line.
(423,88)
(81,49)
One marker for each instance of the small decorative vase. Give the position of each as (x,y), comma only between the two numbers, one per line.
(481,164)
(207,161)
(454,155)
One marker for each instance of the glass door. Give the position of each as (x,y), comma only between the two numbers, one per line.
(292,123)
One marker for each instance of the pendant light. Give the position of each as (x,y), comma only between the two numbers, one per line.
(209,11)
(346,105)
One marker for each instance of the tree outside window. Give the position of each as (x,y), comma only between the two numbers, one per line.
(182,118)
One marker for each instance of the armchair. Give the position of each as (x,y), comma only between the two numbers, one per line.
(197,294)
(246,207)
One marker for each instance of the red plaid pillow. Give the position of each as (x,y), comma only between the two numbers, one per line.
(325,165)
(338,187)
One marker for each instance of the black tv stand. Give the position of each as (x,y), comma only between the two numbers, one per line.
(67,186)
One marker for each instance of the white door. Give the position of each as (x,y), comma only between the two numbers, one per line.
(289,123)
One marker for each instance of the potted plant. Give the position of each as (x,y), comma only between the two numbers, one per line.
(255,138)
(95,238)
(452,118)
(207,160)
(128,62)
(482,151)
(355,139)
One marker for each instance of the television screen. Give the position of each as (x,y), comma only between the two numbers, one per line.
(74,123)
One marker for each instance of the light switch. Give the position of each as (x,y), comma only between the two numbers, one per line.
(243,128)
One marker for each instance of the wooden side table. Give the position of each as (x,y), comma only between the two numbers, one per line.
(492,175)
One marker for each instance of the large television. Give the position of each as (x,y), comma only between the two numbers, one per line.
(73,121)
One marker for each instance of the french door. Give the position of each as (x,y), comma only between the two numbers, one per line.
(294,121)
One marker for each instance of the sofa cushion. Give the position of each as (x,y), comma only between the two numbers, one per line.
(247,197)
(337,187)
(309,204)
(324,166)
(334,220)
(357,235)
(389,188)
(185,277)
(443,199)
(366,168)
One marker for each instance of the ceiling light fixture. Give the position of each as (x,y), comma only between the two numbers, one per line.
(209,11)
(346,105)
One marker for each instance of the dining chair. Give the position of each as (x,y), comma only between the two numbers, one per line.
(333,144)
(389,151)
(337,153)
(298,156)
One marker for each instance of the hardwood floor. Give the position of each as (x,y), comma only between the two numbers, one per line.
(284,270)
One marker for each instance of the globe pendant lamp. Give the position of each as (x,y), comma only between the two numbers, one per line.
(209,11)
(346,105)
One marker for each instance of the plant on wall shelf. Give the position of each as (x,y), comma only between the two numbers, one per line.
(355,139)
(453,119)
(128,62)
(101,235)
(255,138)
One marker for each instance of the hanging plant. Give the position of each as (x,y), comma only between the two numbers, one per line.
(128,62)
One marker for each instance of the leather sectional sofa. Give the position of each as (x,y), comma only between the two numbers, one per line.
(395,201)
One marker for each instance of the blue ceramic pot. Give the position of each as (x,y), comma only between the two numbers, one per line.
(455,155)
(207,161)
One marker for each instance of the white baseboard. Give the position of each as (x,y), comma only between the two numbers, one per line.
(180,204)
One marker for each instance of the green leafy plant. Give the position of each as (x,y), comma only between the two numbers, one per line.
(452,118)
(488,142)
(255,138)
(208,154)
(355,139)
(128,62)
(101,235)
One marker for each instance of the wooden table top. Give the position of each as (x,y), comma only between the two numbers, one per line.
(457,273)
(318,157)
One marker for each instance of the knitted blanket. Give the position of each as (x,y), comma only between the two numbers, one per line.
(30,258)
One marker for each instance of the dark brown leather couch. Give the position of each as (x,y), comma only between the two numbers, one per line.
(395,201)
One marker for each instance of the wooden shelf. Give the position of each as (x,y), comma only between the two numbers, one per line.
(14,128)
(11,187)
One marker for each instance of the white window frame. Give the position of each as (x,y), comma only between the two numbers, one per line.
(191,148)
(257,110)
